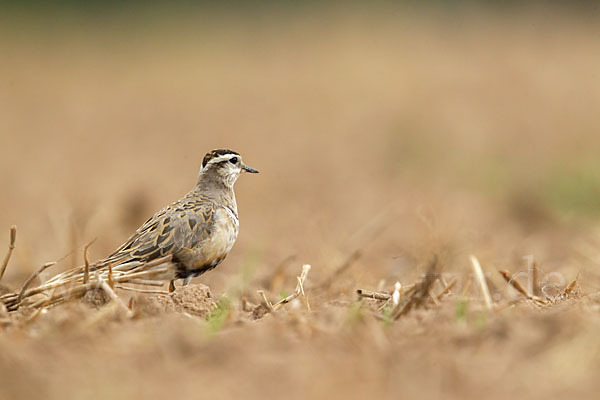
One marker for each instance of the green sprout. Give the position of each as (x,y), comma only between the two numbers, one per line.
(219,315)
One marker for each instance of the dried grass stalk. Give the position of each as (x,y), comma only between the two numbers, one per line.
(570,288)
(73,284)
(535,287)
(111,293)
(266,301)
(434,298)
(111,281)
(519,288)
(446,290)
(482,283)
(299,289)
(373,295)
(270,307)
(514,283)
(418,294)
(41,308)
(466,288)
(32,277)
(86,270)
(396,293)
(11,247)
(246,305)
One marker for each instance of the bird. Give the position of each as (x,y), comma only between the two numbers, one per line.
(183,240)
(198,231)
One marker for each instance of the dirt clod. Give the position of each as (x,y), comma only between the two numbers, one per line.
(195,300)
(96,298)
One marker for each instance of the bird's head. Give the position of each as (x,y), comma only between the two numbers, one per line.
(223,165)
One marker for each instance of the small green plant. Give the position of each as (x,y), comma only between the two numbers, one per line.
(480,320)
(387,315)
(462,309)
(355,313)
(219,315)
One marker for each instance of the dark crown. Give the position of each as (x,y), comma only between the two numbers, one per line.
(216,153)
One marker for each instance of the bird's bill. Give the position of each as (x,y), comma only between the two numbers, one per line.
(249,169)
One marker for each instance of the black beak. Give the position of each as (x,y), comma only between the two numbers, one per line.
(251,170)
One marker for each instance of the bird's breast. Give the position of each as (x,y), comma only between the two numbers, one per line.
(223,235)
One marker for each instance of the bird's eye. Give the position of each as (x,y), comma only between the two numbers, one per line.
(233,160)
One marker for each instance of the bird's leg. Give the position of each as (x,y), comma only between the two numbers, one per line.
(187,280)
(172,286)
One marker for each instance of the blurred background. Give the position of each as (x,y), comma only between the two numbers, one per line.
(396,129)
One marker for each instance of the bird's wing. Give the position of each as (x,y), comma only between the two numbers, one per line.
(182,225)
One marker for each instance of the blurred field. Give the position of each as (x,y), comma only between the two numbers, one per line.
(398,133)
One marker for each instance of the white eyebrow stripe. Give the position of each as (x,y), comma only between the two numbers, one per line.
(225,157)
